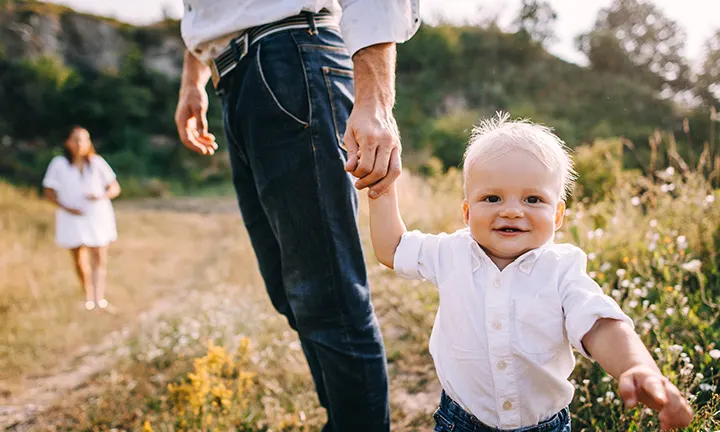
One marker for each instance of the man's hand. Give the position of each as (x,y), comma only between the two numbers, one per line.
(191,113)
(191,121)
(371,136)
(646,385)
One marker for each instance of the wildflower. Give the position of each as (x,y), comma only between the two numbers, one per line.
(591,235)
(592,274)
(682,242)
(625,283)
(664,188)
(692,266)
(653,223)
(677,349)
(616,293)
(670,311)
(669,171)
(591,256)
(637,281)
(605,266)
(610,395)
(710,199)
(620,272)
(599,232)
(605,379)
(586,381)
(708,387)
(715,354)
(698,349)
(633,303)
(635,201)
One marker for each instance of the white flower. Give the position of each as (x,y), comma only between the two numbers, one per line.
(671,187)
(664,188)
(625,283)
(635,201)
(586,381)
(682,242)
(652,246)
(693,266)
(605,266)
(669,171)
(698,349)
(633,303)
(708,387)
(637,281)
(670,311)
(616,293)
(599,233)
(591,256)
(610,395)
(676,349)
(653,223)
(582,399)
(606,379)
(620,272)
(592,274)
(714,353)
(710,199)
(591,235)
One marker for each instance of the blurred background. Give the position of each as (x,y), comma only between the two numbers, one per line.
(633,86)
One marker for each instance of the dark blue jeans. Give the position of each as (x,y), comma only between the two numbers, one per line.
(452,417)
(285,108)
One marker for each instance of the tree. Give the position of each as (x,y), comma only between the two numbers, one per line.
(708,82)
(536,19)
(634,38)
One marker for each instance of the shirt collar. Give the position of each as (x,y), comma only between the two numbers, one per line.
(525,262)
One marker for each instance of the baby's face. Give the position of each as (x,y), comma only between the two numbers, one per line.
(512,206)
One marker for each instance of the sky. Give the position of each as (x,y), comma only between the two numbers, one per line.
(699,18)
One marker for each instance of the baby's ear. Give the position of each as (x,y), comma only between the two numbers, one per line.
(559,215)
(466,211)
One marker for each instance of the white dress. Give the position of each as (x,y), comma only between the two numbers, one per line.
(96,226)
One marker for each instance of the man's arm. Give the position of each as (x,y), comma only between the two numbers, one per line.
(619,350)
(386,226)
(191,112)
(371,136)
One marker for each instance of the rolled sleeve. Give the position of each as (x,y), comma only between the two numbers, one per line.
(370,22)
(407,255)
(584,302)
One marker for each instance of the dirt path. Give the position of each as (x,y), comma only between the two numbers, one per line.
(35,394)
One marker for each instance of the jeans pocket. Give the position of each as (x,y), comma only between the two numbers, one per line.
(341,88)
(283,76)
(442,424)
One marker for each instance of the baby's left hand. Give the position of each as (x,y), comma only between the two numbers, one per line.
(646,385)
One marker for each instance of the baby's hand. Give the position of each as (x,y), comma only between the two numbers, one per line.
(642,384)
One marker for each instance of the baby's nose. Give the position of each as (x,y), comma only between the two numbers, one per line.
(511,212)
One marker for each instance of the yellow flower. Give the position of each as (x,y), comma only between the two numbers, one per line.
(147,427)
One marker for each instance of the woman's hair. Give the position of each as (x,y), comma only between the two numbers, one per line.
(91,151)
(498,136)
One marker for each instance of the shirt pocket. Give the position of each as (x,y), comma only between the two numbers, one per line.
(539,326)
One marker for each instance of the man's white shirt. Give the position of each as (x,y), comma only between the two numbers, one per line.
(208,25)
(501,341)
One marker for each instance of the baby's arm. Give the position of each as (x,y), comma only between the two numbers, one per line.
(619,350)
(386,226)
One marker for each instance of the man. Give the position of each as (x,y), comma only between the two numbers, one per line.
(287,76)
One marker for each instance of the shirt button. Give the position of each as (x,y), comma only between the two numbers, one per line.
(501,365)
(497,283)
(497,325)
(507,405)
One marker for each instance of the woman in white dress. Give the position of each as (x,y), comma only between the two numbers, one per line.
(81,184)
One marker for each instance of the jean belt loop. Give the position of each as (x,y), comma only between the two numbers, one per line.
(311,22)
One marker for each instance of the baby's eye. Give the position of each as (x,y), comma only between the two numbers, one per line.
(492,198)
(534,199)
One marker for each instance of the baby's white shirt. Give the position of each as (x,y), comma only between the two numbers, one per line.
(502,341)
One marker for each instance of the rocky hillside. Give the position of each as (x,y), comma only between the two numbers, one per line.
(35,30)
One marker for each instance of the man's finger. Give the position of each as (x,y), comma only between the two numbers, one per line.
(654,391)
(393,172)
(351,146)
(380,168)
(366,162)
(627,390)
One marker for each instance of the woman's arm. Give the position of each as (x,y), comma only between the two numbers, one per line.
(51,195)
(113,190)
(386,226)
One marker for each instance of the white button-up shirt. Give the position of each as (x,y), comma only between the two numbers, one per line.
(208,25)
(502,340)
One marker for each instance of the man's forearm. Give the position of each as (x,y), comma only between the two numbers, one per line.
(616,347)
(374,68)
(195,73)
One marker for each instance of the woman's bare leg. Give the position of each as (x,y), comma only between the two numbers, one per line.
(98,262)
(82,268)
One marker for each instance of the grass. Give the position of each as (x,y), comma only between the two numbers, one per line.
(219,358)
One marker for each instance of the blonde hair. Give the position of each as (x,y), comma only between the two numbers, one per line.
(498,136)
